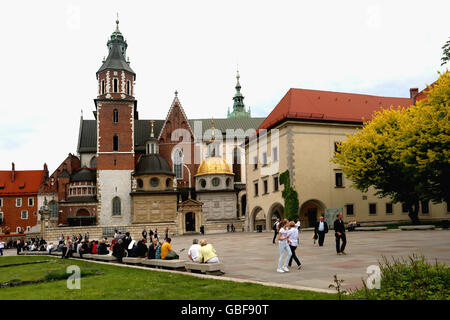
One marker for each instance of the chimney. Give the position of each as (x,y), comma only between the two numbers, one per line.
(13,171)
(413,93)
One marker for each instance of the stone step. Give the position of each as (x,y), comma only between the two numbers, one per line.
(418,227)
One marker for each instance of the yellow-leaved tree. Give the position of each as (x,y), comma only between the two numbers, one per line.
(404,153)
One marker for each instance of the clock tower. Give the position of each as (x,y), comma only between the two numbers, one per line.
(116,112)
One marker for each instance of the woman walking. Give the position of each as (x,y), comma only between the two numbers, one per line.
(293,243)
(284,247)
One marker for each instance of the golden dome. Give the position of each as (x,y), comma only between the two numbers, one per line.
(214,165)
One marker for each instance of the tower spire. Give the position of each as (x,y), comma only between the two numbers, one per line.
(238,105)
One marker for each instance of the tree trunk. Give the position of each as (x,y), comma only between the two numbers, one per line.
(414,213)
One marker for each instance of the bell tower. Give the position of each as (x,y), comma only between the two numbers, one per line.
(116,112)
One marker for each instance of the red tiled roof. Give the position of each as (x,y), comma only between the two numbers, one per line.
(424,93)
(328,106)
(29,180)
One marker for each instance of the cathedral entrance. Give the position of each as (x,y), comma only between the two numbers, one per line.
(190,222)
(310,212)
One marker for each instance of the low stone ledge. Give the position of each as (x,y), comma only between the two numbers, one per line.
(208,268)
(418,227)
(370,228)
(56,253)
(33,253)
(128,260)
(104,257)
(169,264)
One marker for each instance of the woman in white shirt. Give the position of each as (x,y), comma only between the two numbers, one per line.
(284,246)
(293,243)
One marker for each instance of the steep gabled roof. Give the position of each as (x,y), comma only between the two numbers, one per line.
(175,102)
(328,106)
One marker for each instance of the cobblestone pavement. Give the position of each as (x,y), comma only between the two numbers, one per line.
(253,256)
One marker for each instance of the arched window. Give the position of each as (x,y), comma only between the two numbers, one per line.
(53,207)
(93,163)
(116,209)
(128,87)
(116,143)
(116,116)
(168,182)
(116,85)
(103,87)
(178,164)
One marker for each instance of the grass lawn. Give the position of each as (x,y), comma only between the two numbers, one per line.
(129,283)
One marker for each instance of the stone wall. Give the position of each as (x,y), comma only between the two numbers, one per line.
(110,184)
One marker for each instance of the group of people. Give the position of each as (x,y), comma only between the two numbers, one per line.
(123,245)
(286,232)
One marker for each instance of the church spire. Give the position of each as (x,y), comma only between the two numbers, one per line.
(117,46)
(238,105)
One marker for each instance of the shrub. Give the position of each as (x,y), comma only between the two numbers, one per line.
(409,279)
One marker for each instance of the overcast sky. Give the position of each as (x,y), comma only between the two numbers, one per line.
(51,50)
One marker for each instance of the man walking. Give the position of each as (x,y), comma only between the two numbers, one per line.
(320,229)
(339,232)
(275,229)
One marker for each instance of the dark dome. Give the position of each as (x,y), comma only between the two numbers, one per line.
(153,164)
(83,175)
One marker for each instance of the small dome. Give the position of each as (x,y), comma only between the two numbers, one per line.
(153,164)
(214,165)
(84,174)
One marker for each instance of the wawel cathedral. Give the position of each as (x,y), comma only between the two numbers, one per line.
(173,172)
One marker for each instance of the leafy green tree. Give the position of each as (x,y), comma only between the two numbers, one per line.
(404,153)
(290,196)
(446,53)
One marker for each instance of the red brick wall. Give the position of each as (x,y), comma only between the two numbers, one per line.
(176,120)
(12,214)
(107,129)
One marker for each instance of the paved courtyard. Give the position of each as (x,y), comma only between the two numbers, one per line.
(253,256)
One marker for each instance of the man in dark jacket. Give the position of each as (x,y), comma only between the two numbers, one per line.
(141,250)
(118,250)
(320,229)
(102,248)
(339,232)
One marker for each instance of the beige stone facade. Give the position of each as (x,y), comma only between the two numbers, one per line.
(305,148)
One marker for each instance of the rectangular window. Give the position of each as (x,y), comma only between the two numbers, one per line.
(389,209)
(404,208)
(1,202)
(264,158)
(18,202)
(349,209)
(338,179)
(275,154)
(255,163)
(256,189)
(275,183)
(425,207)
(116,85)
(1,218)
(30,202)
(115,143)
(24,214)
(336,146)
(103,86)
(266,187)
(128,87)
(372,208)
